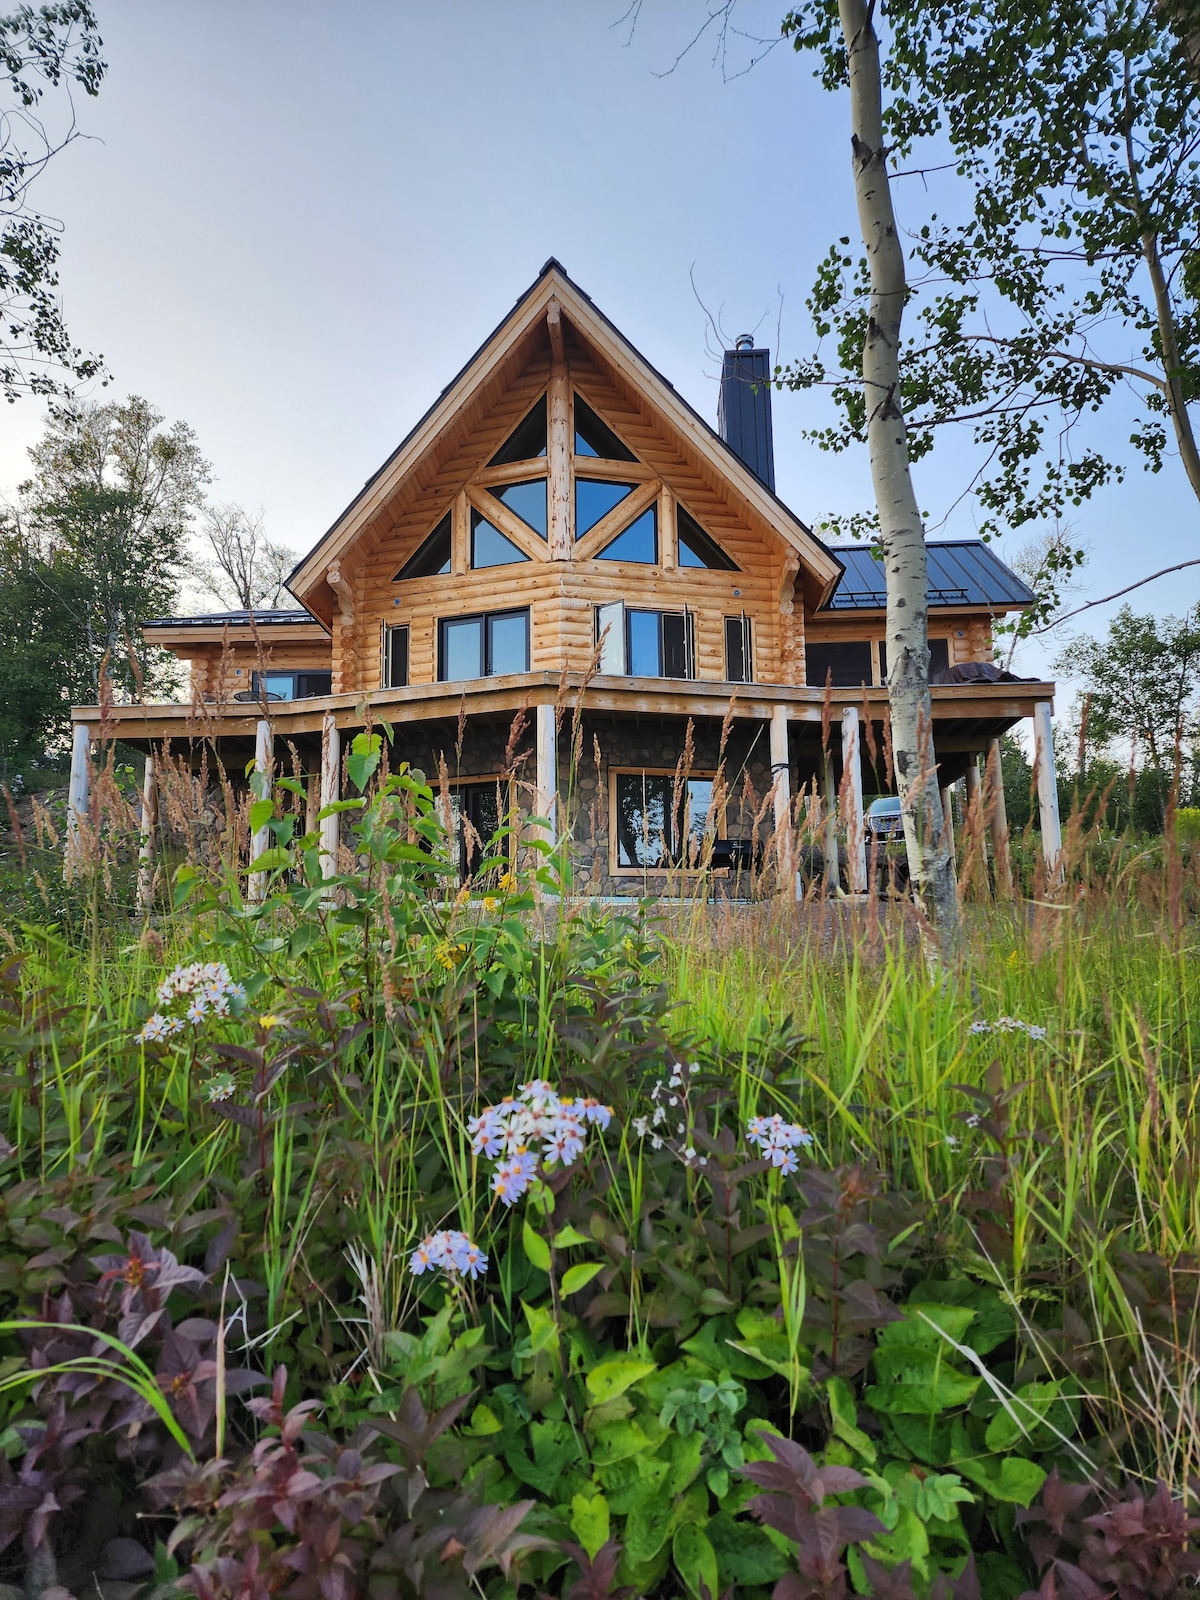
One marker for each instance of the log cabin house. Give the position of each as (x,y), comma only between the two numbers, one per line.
(561,535)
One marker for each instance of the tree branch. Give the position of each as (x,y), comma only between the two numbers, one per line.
(1178,567)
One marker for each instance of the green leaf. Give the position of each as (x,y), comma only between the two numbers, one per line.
(576,1278)
(271,860)
(568,1236)
(1027,1407)
(484,1421)
(261,813)
(614,1376)
(366,751)
(696,1561)
(844,1413)
(590,1521)
(745,1555)
(647,1527)
(537,1251)
(543,1330)
(1019,1481)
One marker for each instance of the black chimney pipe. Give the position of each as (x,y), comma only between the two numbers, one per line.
(744,410)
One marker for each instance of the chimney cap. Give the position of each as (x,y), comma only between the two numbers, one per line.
(744,341)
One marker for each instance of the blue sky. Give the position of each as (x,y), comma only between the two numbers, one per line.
(293,220)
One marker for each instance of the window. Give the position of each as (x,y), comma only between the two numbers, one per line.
(660,820)
(646,644)
(395,657)
(939,659)
(638,542)
(485,646)
(846,664)
(490,547)
(527,441)
(594,499)
(696,548)
(431,557)
(739,659)
(527,499)
(595,438)
(475,819)
(304,685)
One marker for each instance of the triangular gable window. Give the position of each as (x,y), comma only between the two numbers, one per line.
(595,498)
(431,558)
(595,438)
(639,542)
(527,499)
(527,441)
(490,547)
(697,548)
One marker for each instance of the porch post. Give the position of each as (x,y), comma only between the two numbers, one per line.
(331,780)
(947,798)
(77,797)
(998,814)
(546,776)
(856,844)
(1047,785)
(256,887)
(829,840)
(781,775)
(145,879)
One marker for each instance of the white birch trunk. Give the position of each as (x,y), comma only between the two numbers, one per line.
(902,535)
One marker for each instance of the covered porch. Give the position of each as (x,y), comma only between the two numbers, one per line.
(599,755)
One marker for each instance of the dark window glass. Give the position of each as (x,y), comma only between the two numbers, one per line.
(739,666)
(883,660)
(431,557)
(291,685)
(475,819)
(846,664)
(696,548)
(595,499)
(939,659)
(595,438)
(639,541)
(462,649)
(660,822)
(490,547)
(676,644)
(527,441)
(396,663)
(311,684)
(528,500)
(507,643)
(644,630)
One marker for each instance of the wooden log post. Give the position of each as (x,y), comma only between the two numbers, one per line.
(260,839)
(997,813)
(781,779)
(560,486)
(78,794)
(947,797)
(546,776)
(856,838)
(829,837)
(1047,786)
(149,828)
(331,783)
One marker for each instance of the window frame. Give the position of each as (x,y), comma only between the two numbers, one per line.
(720,820)
(257,686)
(485,619)
(507,785)
(391,629)
(684,613)
(745,624)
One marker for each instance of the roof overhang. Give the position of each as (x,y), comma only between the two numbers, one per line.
(524,325)
(184,634)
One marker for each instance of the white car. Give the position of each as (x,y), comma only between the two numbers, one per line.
(884,820)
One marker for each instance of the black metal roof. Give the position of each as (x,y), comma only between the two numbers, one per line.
(235,619)
(962,572)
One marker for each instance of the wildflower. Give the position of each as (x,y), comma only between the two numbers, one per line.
(219,1088)
(450,1250)
(270,1021)
(1032,1030)
(778,1140)
(536,1115)
(508,880)
(951,1141)
(490,902)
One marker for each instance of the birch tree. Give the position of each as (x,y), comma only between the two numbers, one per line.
(240,567)
(901,530)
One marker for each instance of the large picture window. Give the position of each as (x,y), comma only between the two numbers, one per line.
(485,646)
(301,685)
(661,820)
(646,644)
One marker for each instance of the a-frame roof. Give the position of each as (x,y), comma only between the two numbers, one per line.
(494,364)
